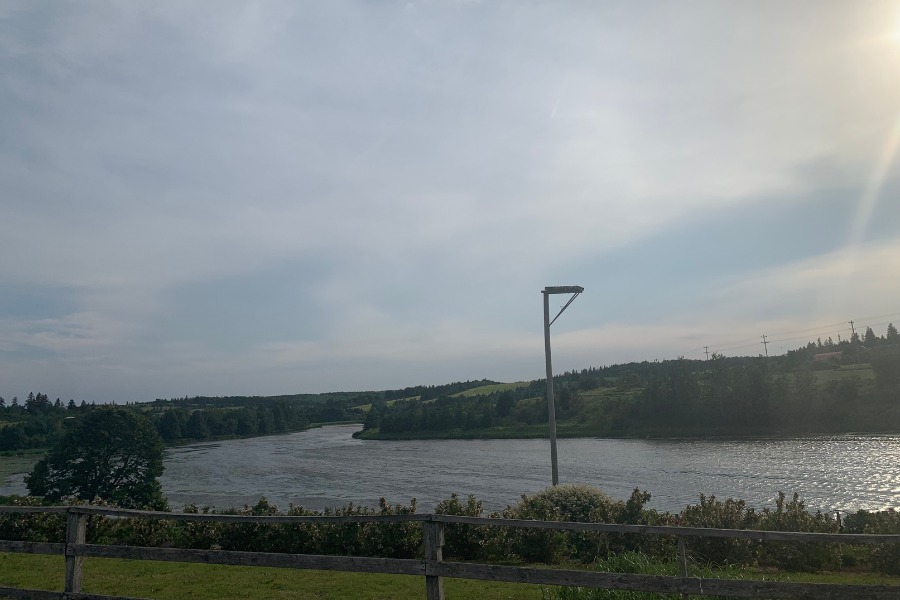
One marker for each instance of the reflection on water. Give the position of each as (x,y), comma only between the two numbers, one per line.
(326,467)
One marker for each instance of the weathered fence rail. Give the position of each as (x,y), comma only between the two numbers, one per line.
(432,566)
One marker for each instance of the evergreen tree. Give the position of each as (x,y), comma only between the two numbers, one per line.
(870,339)
(892,336)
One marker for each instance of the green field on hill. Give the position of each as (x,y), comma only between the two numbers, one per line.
(490,389)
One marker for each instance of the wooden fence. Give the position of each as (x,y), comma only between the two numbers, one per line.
(432,566)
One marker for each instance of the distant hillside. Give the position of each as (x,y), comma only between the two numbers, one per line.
(819,388)
(822,387)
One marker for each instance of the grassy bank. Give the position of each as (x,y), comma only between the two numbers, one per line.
(18,462)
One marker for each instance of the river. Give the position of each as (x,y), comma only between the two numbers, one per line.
(326,467)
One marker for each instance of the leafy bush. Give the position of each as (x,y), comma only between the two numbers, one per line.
(582,504)
(390,540)
(393,540)
(576,503)
(129,532)
(797,556)
(467,542)
(730,514)
(883,557)
(32,527)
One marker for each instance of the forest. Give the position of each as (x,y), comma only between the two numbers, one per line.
(824,387)
(38,422)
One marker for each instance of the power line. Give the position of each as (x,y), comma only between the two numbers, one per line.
(827,329)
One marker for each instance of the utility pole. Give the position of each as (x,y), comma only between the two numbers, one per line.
(575,290)
(766,348)
(856,339)
(706,348)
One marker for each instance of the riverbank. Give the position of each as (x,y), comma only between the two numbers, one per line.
(575,432)
(227,438)
(21,461)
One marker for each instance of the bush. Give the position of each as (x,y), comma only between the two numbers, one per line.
(393,540)
(797,556)
(730,514)
(576,503)
(883,557)
(467,542)
(31,527)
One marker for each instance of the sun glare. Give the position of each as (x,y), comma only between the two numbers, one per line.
(895,35)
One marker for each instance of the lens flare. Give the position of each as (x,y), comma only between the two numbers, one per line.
(870,197)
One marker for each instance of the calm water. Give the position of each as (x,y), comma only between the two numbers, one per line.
(326,467)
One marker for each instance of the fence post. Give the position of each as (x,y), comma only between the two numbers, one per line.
(75,534)
(434,542)
(682,562)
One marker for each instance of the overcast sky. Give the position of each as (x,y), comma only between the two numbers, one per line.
(216,198)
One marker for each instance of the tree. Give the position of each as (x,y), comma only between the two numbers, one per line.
(892,335)
(505,404)
(108,453)
(196,426)
(870,338)
(169,427)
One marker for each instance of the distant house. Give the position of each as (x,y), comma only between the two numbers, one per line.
(828,357)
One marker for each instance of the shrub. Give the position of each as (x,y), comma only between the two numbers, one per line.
(32,527)
(883,557)
(577,503)
(466,542)
(393,540)
(730,514)
(797,556)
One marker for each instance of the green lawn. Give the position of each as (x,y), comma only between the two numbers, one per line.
(163,581)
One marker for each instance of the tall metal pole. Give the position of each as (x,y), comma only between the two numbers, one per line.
(551,405)
(575,290)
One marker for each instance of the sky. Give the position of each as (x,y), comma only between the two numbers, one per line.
(259,198)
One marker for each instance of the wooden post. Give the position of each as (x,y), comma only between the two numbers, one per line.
(434,542)
(682,562)
(75,534)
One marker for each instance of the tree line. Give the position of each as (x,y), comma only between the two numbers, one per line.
(788,394)
(38,422)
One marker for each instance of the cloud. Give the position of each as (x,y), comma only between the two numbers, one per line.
(365,187)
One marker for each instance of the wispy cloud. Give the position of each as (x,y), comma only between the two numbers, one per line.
(395,182)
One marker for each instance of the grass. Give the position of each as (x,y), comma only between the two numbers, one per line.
(634,562)
(484,390)
(21,462)
(863,371)
(164,581)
